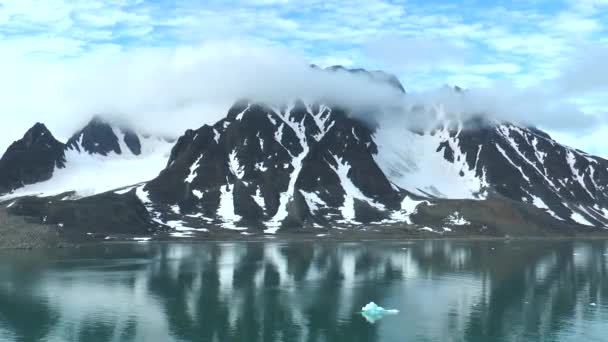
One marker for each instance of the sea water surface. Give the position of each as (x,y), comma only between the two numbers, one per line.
(307,291)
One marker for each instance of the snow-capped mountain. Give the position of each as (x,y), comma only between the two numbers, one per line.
(312,165)
(475,159)
(317,168)
(98,158)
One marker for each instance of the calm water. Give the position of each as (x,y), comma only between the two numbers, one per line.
(445,291)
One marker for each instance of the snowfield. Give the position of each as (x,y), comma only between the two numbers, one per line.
(91,174)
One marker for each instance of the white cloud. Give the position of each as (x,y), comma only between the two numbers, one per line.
(533,106)
(573,24)
(167,91)
(585,72)
(427,43)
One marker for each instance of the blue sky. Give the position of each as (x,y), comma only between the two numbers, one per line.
(474,44)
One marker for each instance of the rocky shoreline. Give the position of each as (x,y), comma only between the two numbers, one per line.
(17,232)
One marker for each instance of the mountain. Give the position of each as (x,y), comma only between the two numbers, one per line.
(99,137)
(263,166)
(308,165)
(318,169)
(475,159)
(31,159)
(98,158)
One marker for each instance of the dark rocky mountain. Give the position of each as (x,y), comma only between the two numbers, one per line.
(99,137)
(31,159)
(309,167)
(274,167)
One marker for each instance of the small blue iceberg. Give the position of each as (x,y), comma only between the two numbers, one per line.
(373,313)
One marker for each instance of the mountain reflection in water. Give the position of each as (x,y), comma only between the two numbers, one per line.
(307,291)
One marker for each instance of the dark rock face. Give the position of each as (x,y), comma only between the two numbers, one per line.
(107,213)
(99,137)
(497,216)
(31,159)
(278,166)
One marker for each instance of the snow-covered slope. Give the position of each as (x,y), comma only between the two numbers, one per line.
(415,161)
(87,171)
(473,159)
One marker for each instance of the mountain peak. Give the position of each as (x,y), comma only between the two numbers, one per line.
(36,132)
(31,159)
(100,136)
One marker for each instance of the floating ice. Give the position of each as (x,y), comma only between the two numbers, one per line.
(373,313)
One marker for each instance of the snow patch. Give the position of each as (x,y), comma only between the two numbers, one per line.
(259,199)
(193,168)
(216,136)
(260,166)
(235,166)
(578,218)
(409,204)
(180,226)
(427,229)
(261,141)
(142,239)
(457,219)
(226,209)
(123,191)
(571,160)
(539,203)
(351,192)
(411,161)
(272,120)
(313,201)
(198,194)
(239,116)
(143,195)
(181,234)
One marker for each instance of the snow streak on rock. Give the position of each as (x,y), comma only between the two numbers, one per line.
(351,192)
(226,209)
(275,223)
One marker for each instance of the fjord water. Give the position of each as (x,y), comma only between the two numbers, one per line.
(307,291)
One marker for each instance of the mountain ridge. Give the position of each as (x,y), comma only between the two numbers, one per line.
(99,157)
(316,168)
